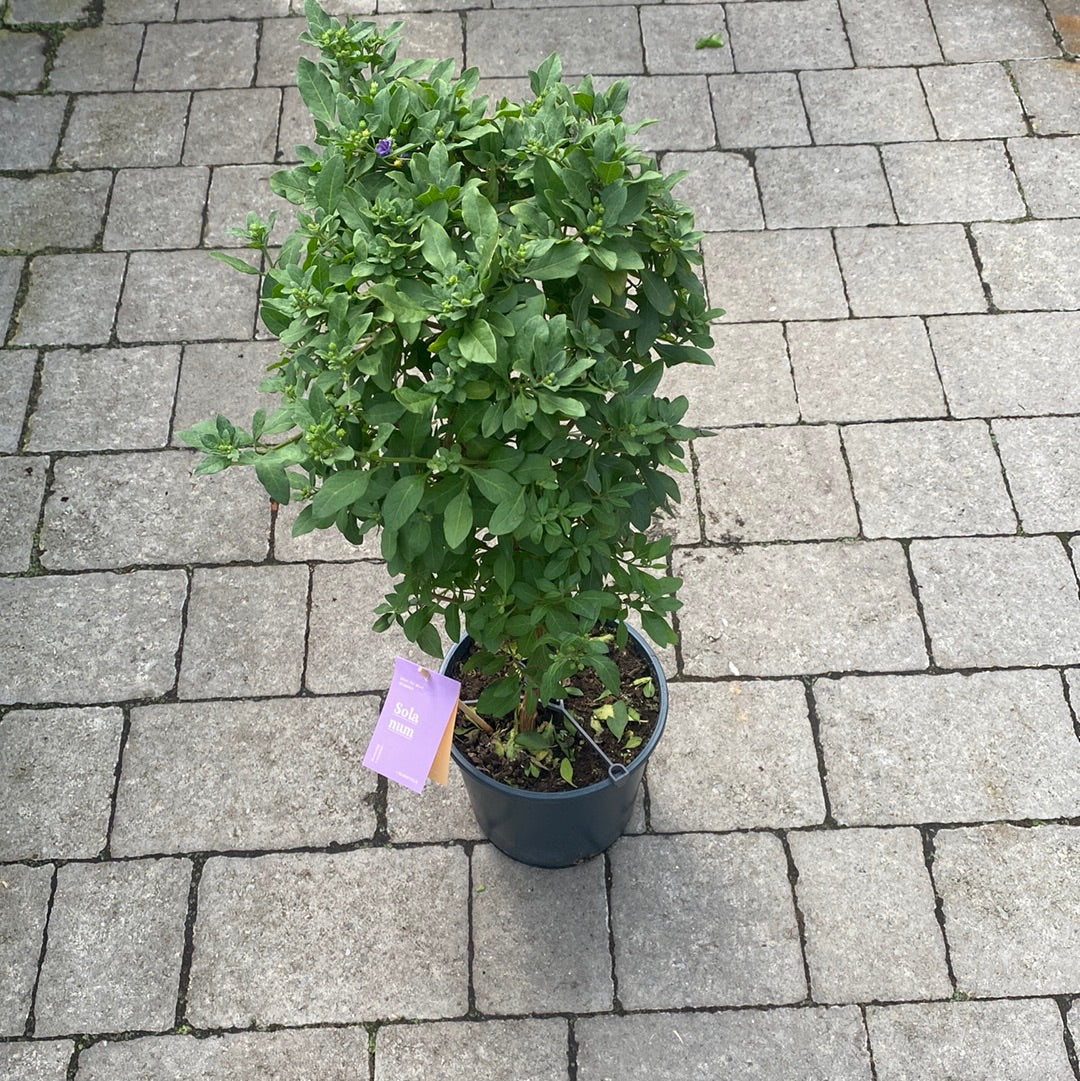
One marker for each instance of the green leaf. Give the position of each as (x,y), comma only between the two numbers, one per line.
(479,216)
(657,629)
(305,523)
(458,519)
(316,90)
(495,485)
(427,638)
(236,264)
(561,260)
(500,697)
(274,479)
(402,500)
(713,41)
(331,183)
(437,247)
(339,490)
(477,343)
(508,516)
(532,742)
(566,771)
(618,720)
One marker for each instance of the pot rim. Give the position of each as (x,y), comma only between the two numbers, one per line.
(577,793)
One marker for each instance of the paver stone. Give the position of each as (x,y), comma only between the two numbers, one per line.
(29,129)
(972,101)
(24,905)
(1031,264)
(992,29)
(782,35)
(71,300)
(1049,170)
(16,379)
(41,1060)
(118,130)
(22,485)
(1042,461)
(47,210)
(763,109)
(866,105)
(1048,91)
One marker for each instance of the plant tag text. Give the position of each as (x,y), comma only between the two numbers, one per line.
(412,738)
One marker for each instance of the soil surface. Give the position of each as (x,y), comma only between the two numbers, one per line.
(589,767)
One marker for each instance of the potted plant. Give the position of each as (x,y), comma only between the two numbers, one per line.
(476,310)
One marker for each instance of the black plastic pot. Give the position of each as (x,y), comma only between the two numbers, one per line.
(558,829)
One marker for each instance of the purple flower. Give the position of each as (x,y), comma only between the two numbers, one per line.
(383,147)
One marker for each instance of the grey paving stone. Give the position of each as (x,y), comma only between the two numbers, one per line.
(1031,264)
(763,484)
(927,479)
(1011,365)
(759,110)
(1006,936)
(864,369)
(224,377)
(1048,90)
(230,127)
(1014,1039)
(749,1045)
(327,1054)
(671,38)
(116,635)
(868,105)
(22,484)
(237,9)
(126,11)
(952,181)
(97,59)
(46,11)
(26,892)
(121,509)
(227,650)
(755,768)
(868,908)
(814,187)
(996,601)
(118,130)
(992,29)
(909,39)
(52,210)
(22,59)
(562,964)
(29,130)
(704,920)
(948,748)
(782,35)
(440,813)
(71,300)
(800,608)
(1066,18)
(279,51)
(191,56)
(1042,461)
(909,270)
(782,275)
(749,383)
(116,937)
(11,267)
(238,189)
(41,1060)
(720,188)
(480,1051)
(680,104)
(185,296)
(595,41)
(343,600)
(1049,172)
(972,101)
(269,949)
(59,771)
(16,379)
(217,776)
(156,208)
(105,398)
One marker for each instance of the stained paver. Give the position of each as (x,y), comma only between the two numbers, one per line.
(868,909)
(704,920)
(1012,910)
(22,57)
(59,773)
(26,893)
(756,767)
(992,29)
(1048,91)
(948,748)
(269,950)
(98,59)
(22,485)
(1021,1040)
(117,130)
(52,209)
(245,775)
(116,937)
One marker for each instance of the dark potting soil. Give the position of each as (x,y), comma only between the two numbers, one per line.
(589,767)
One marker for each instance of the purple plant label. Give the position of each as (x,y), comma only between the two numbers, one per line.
(420,706)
